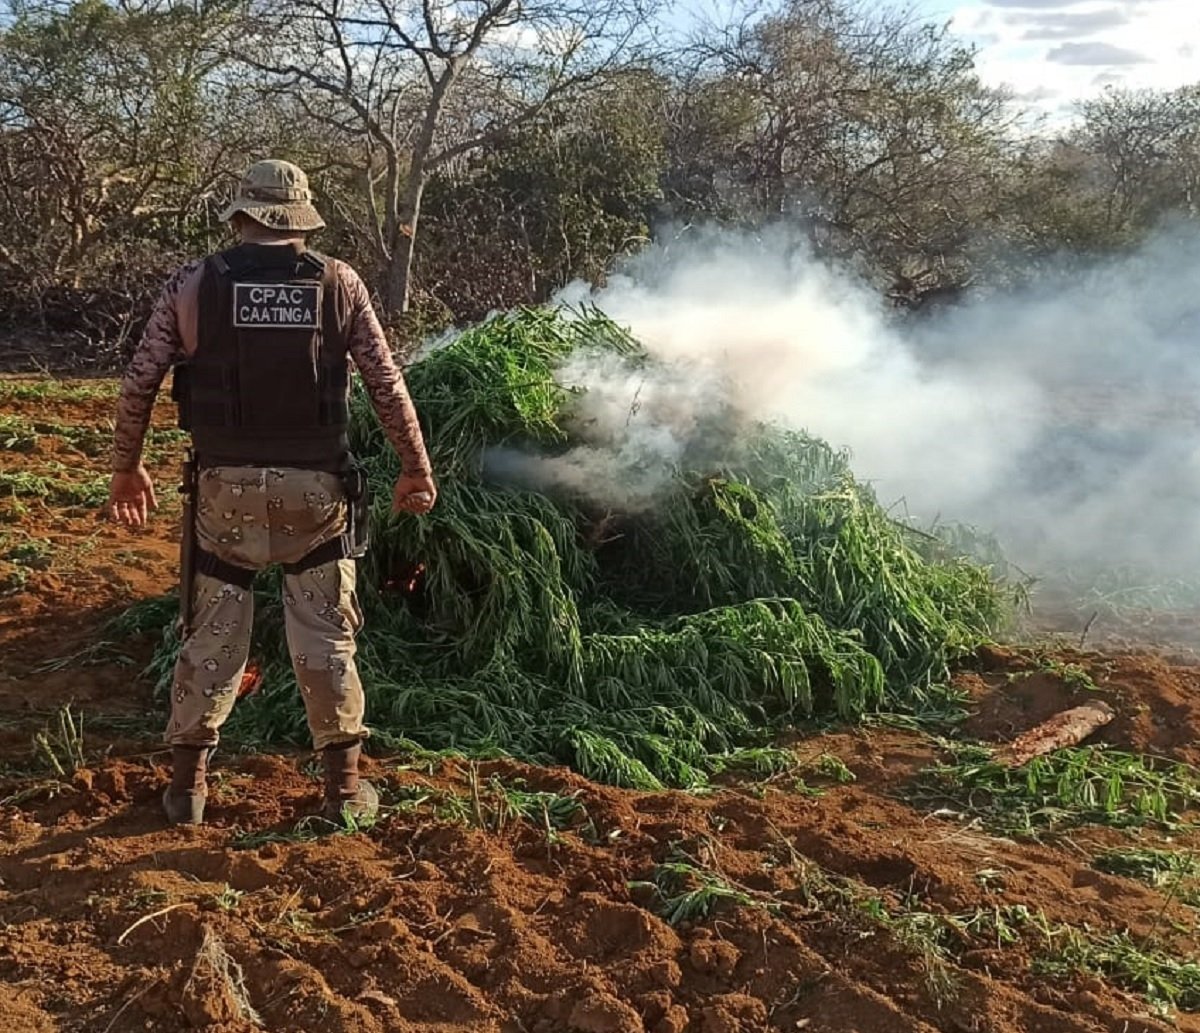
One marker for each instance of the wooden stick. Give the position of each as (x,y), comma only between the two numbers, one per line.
(1088,627)
(1068,728)
(146,918)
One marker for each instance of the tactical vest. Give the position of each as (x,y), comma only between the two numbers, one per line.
(268,384)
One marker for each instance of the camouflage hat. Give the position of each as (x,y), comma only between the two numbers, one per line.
(276,194)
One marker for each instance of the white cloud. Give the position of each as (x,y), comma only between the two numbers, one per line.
(1062,51)
(1094,54)
(1070,25)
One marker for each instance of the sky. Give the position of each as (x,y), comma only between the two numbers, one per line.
(1054,53)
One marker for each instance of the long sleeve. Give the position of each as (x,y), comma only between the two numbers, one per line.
(384,382)
(160,347)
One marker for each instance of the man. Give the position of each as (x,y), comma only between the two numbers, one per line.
(261,337)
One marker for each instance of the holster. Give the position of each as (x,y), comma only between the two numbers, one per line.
(358,510)
(187,544)
(355,540)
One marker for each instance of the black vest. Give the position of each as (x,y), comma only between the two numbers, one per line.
(268,384)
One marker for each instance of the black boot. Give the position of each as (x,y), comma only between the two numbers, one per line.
(185,796)
(349,800)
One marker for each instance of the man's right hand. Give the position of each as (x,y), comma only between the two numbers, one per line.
(414,494)
(131,497)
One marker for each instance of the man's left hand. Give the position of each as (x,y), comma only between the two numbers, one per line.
(414,494)
(131,497)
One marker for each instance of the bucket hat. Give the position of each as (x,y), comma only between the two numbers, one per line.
(276,194)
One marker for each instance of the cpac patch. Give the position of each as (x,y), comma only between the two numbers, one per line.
(285,306)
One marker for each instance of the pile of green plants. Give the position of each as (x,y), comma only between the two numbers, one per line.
(761,588)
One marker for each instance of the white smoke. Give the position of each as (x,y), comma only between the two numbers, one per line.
(1061,417)
(638,425)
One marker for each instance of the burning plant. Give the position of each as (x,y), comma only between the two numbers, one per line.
(756,586)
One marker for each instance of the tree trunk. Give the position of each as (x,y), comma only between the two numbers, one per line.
(399,277)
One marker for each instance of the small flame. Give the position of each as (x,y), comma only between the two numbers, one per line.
(250,680)
(410,585)
(409,580)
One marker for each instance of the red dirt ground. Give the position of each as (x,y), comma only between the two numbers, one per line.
(434,921)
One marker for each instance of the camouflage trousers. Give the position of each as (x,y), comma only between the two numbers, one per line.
(253,517)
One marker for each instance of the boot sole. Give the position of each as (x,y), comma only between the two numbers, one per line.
(190,812)
(362,810)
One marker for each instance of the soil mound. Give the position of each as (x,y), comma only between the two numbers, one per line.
(453,915)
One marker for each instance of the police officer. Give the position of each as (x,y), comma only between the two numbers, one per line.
(261,337)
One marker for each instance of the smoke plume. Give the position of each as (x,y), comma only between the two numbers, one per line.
(1061,417)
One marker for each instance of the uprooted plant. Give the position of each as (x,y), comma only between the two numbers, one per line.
(1067,788)
(59,746)
(215,966)
(683,888)
(758,587)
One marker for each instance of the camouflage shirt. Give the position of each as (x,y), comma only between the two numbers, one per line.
(170,337)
